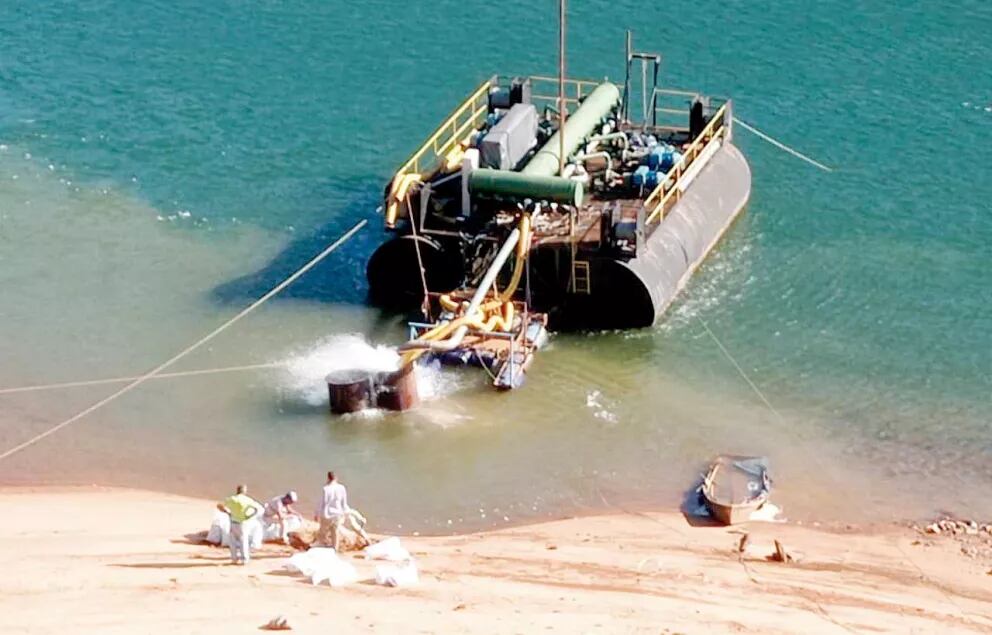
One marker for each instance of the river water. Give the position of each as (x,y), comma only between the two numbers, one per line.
(162,164)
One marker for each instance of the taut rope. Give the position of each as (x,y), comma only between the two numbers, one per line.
(121,380)
(189,349)
(782,146)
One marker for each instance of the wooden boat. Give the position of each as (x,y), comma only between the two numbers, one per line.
(735,487)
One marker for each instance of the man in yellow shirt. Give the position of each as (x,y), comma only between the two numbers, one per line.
(244,512)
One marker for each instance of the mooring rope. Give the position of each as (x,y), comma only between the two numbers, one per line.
(782,146)
(817,461)
(425,304)
(189,349)
(764,399)
(740,370)
(121,380)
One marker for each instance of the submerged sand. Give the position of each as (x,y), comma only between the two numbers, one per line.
(92,560)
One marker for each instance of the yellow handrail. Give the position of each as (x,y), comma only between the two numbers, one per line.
(453,131)
(456,129)
(478,106)
(713,131)
(470,113)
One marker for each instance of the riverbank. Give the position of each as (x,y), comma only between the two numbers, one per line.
(124,561)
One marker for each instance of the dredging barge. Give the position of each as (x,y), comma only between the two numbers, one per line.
(605,212)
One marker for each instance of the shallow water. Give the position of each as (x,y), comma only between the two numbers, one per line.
(163,164)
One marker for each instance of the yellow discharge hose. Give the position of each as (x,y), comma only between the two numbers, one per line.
(451,305)
(500,310)
(501,320)
(523,247)
(438,332)
(454,158)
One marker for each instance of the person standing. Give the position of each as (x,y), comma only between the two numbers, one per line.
(244,512)
(333,513)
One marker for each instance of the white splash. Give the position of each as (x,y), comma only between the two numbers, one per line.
(305,372)
(433,382)
(593,400)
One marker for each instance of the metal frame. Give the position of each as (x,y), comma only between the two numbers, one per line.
(470,114)
(655,59)
(511,359)
(668,192)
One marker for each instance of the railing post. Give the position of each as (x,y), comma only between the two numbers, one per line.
(728,120)
(512,351)
(639,229)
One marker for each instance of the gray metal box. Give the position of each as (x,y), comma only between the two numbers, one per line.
(506,144)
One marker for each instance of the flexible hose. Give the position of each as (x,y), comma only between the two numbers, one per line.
(475,310)
(523,247)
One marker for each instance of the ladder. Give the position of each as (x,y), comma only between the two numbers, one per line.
(580,268)
(581,282)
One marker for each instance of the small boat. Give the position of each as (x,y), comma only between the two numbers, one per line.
(735,487)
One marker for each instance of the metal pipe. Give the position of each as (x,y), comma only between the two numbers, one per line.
(563,108)
(610,137)
(597,105)
(520,186)
(625,115)
(582,158)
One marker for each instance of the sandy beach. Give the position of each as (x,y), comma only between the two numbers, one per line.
(96,560)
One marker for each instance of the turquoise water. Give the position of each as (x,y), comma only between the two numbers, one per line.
(163,164)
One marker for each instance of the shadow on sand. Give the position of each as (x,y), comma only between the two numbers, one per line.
(197,538)
(175,565)
(692,503)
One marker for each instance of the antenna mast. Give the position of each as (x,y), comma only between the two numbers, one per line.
(562,107)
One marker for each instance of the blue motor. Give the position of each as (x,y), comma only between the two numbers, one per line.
(654,157)
(652,179)
(669,158)
(662,157)
(640,176)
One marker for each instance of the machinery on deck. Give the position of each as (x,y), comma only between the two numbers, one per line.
(604,209)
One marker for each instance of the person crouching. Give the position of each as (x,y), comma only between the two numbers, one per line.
(280,517)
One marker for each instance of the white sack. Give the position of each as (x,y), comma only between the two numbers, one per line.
(320,564)
(271,532)
(392,575)
(389,549)
(220,531)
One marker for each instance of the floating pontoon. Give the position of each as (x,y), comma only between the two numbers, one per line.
(605,196)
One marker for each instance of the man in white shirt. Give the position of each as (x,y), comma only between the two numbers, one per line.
(333,512)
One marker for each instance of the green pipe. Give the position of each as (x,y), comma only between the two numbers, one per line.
(517,185)
(579,125)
